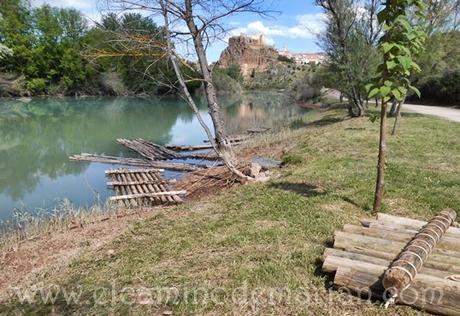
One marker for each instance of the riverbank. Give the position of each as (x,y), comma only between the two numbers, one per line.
(229,251)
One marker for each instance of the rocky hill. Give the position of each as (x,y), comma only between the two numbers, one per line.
(251,54)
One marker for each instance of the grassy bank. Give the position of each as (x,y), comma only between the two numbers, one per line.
(256,249)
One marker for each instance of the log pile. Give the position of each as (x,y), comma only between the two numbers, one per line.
(362,255)
(148,149)
(152,151)
(141,187)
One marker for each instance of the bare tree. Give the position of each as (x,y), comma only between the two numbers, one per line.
(349,42)
(442,15)
(197,23)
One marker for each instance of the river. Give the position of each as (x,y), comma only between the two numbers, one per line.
(37,137)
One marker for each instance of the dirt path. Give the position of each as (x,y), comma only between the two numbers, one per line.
(450,114)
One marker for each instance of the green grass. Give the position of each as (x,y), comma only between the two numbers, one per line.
(249,245)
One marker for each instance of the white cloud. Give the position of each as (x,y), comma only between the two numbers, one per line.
(307,26)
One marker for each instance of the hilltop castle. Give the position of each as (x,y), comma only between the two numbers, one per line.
(253,54)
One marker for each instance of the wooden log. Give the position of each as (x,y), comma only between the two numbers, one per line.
(331,266)
(148,149)
(158,188)
(235,139)
(189,147)
(174,198)
(429,293)
(408,222)
(143,195)
(139,162)
(409,262)
(143,182)
(111,160)
(374,224)
(119,190)
(440,259)
(201,156)
(447,243)
(117,171)
(257,130)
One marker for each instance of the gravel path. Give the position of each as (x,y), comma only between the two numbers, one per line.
(450,114)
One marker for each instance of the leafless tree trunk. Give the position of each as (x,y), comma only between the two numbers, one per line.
(397,119)
(183,86)
(380,184)
(223,146)
(187,14)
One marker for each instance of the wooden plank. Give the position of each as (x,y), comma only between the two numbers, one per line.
(143,195)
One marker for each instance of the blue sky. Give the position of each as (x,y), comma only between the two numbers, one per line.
(295,25)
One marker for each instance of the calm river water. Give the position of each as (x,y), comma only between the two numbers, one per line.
(36,139)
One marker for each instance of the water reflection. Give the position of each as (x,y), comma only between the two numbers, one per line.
(36,139)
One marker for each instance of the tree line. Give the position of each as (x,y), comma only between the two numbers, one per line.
(49,50)
(351,39)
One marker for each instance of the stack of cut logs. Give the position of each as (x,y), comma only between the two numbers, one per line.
(409,261)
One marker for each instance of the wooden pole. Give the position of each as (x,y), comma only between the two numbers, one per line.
(144,195)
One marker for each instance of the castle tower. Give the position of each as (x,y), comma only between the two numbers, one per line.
(261,40)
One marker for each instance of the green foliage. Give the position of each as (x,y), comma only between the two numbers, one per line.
(234,71)
(46,43)
(401,42)
(36,85)
(56,46)
(438,80)
(225,84)
(349,43)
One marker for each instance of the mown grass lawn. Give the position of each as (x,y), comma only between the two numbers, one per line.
(256,249)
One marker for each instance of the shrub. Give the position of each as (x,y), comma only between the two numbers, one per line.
(443,89)
(225,84)
(36,85)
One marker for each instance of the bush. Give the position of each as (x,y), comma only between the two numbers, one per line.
(225,84)
(36,85)
(443,89)
(234,72)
